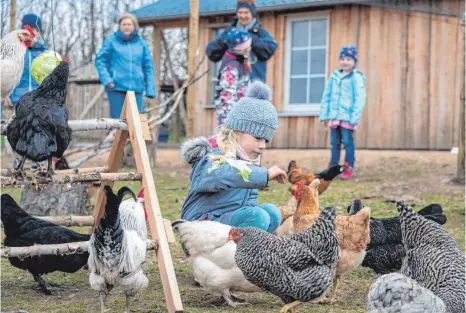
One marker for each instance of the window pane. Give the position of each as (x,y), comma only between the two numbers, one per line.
(298,90)
(300,34)
(318,32)
(316,89)
(318,61)
(299,62)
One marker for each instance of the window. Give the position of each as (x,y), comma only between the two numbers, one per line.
(215,67)
(306,63)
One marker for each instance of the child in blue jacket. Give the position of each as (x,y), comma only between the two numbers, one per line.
(224,181)
(343,102)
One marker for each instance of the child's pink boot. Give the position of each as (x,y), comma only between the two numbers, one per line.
(348,172)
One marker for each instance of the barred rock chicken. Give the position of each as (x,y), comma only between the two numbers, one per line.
(295,174)
(117,247)
(12,49)
(22,230)
(39,129)
(212,258)
(385,250)
(297,268)
(353,232)
(433,258)
(396,293)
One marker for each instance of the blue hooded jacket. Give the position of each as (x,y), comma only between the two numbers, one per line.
(263,47)
(27,83)
(126,61)
(344,98)
(216,195)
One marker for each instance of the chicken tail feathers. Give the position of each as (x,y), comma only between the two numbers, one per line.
(434,212)
(330,173)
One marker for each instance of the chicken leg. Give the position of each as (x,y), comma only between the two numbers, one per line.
(228,298)
(49,168)
(43,285)
(290,307)
(127,303)
(331,299)
(103,297)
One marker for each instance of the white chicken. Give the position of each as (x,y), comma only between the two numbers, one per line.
(12,49)
(117,248)
(212,258)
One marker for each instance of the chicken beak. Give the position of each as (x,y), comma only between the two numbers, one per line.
(230,238)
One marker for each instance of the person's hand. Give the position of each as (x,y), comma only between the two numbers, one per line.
(277,174)
(111,85)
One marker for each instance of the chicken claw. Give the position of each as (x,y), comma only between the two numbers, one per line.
(43,285)
(290,307)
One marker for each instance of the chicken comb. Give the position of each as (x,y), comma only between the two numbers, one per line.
(231,231)
(141,193)
(66,59)
(29,29)
(299,189)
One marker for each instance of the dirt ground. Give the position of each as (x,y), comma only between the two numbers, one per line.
(382,177)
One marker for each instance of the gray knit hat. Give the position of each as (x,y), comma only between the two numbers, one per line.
(254,114)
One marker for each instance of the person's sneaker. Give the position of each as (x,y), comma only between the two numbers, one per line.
(348,172)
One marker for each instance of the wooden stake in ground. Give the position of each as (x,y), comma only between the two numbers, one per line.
(156,222)
(192,54)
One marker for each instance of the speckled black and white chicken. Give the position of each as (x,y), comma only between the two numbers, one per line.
(296,268)
(396,293)
(211,257)
(433,258)
(385,250)
(117,248)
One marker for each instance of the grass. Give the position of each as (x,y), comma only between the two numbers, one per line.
(19,291)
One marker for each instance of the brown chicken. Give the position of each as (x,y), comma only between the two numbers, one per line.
(290,207)
(295,174)
(353,232)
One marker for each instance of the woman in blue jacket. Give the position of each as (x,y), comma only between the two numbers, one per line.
(124,63)
(263,45)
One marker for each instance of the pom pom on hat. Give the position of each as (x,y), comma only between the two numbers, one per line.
(259,90)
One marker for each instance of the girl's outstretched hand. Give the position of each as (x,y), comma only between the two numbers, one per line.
(277,174)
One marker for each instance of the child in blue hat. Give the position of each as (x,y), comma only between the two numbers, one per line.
(343,102)
(225,180)
(234,73)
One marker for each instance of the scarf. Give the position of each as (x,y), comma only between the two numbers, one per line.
(243,156)
(247,27)
(126,38)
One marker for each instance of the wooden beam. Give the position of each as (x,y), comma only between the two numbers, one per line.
(192,56)
(156,222)
(12,15)
(10,172)
(460,174)
(156,59)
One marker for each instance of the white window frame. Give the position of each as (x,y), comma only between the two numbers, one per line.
(311,109)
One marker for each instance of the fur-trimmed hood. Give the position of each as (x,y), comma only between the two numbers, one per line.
(194,149)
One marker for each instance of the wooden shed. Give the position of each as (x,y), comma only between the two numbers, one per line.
(412,55)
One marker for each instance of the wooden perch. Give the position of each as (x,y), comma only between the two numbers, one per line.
(86,125)
(70,178)
(57,249)
(9,172)
(70,220)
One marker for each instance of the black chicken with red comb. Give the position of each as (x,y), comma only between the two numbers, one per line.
(39,128)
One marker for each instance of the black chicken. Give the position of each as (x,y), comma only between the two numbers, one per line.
(39,128)
(385,251)
(22,230)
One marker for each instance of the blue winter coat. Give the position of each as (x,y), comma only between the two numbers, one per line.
(344,98)
(127,64)
(27,83)
(217,195)
(263,47)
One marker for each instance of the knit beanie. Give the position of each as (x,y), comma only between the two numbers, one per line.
(349,51)
(254,114)
(248,4)
(237,40)
(33,21)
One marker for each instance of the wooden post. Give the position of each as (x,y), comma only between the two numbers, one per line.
(156,222)
(12,15)
(192,49)
(156,57)
(460,174)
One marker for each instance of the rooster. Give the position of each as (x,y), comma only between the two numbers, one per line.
(295,174)
(39,129)
(12,49)
(117,247)
(22,230)
(212,258)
